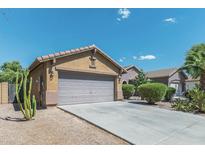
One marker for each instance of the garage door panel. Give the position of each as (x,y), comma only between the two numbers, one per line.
(76,93)
(86,99)
(79,83)
(87,95)
(77,88)
(87,92)
(85,76)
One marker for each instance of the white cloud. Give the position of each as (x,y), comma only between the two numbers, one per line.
(134,57)
(118,19)
(122,59)
(147,57)
(170,20)
(123,13)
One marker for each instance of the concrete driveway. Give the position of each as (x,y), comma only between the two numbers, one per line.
(142,124)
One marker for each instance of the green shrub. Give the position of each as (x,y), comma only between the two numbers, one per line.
(195,101)
(128,90)
(197,97)
(186,94)
(184,105)
(169,93)
(139,80)
(152,92)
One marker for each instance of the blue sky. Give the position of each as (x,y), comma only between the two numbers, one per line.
(148,38)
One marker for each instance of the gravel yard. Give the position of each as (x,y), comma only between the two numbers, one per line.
(51,126)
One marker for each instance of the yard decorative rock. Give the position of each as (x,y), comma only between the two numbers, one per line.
(51,126)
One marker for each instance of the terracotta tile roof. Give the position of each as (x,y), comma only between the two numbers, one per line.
(60,54)
(161,73)
(64,53)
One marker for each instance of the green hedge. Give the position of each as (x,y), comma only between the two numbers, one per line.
(170,93)
(152,92)
(128,90)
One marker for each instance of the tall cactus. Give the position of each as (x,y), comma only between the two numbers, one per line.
(27,106)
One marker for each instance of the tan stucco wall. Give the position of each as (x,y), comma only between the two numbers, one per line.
(35,74)
(79,62)
(82,62)
(118,88)
(3,92)
(52,84)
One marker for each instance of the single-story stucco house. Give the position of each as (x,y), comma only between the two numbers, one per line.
(82,75)
(131,74)
(171,77)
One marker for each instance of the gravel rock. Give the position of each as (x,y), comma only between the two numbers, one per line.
(51,126)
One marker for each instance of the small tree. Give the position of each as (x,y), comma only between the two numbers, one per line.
(8,71)
(139,80)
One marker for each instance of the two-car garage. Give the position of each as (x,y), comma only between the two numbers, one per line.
(76,76)
(75,88)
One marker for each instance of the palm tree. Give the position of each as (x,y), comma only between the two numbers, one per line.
(195,63)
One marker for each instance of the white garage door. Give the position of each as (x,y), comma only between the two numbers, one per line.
(76,88)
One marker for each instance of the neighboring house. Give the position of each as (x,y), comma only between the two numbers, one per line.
(171,77)
(191,83)
(82,75)
(132,72)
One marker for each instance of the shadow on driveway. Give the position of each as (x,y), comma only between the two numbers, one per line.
(140,102)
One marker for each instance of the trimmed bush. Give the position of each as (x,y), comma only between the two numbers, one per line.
(152,92)
(170,93)
(128,90)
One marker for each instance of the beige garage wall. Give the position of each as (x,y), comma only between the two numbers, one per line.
(35,74)
(78,62)
(3,93)
(81,63)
